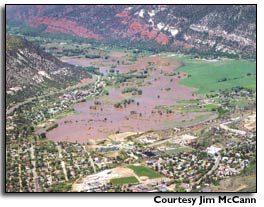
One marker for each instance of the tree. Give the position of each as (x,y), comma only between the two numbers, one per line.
(43,135)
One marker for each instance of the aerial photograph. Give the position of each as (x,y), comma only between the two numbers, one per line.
(130,98)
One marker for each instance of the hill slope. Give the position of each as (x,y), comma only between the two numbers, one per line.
(30,71)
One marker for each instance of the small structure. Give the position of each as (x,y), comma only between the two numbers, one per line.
(148,154)
(212,150)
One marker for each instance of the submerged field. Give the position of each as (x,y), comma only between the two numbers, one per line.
(149,92)
(130,106)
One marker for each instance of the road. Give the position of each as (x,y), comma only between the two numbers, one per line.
(90,159)
(33,162)
(49,168)
(19,176)
(161,142)
(217,161)
(236,131)
(28,100)
(62,162)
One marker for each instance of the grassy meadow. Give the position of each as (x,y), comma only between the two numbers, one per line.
(144,171)
(124,180)
(212,76)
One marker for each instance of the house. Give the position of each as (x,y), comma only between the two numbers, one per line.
(212,150)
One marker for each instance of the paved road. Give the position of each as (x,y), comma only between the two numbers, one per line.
(217,161)
(161,142)
(19,176)
(28,100)
(62,162)
(90,159)
(11,109)
(236,131)
(33,162)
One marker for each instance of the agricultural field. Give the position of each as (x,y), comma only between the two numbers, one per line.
(211,76)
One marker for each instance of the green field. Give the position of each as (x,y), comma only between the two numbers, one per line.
(144,171)
(199,118)
(213,76)
(178,150)
(189,106)
(124,180)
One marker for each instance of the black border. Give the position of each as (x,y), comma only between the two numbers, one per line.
(3,73)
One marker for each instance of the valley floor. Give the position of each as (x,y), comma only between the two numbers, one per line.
(137,126)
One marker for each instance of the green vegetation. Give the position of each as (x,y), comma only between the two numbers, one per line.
(65,113)
(13,42)
(52,127)
(216,80)
(218,75)
(123,103)
(93,70)
(42,135)
(92,56)
(144,171)
(179,189)
(197,119)
(188,106)
(179,149)
(121,78)
(23,29)
(63,187)
(132,90)
(251,168)
(124,180)
(194,106)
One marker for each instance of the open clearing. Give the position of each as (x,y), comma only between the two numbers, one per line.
(236,184)
(178,149)
(124,180)
(144,171)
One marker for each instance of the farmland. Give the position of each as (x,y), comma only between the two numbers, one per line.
(211,76)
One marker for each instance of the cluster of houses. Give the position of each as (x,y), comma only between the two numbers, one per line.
(76,95)
(235,158)
(185,167)
(47,169)
(152,185)
(19,176)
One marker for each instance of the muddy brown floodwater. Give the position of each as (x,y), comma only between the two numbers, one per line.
(99,123)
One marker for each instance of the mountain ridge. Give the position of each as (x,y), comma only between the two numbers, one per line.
(219,28)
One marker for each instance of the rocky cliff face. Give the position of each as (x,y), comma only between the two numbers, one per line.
(30,70)
(219,28)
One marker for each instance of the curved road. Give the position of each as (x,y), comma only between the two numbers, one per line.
(28,100)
